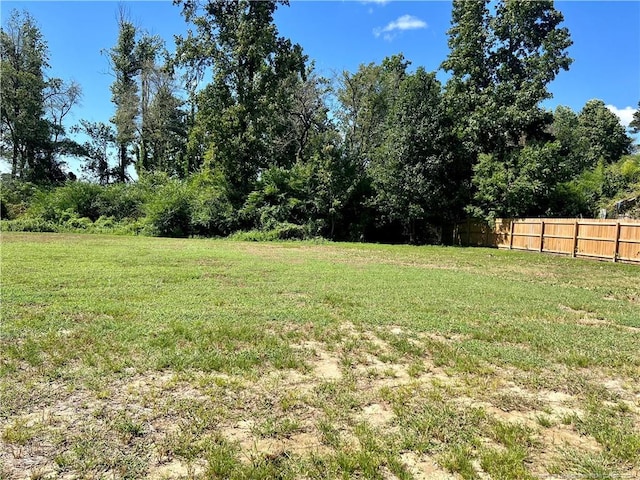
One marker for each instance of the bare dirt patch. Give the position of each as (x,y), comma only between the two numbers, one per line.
(325,365)
(423,467)
(377,414)
(176,470)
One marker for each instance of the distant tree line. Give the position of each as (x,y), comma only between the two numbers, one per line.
(237,132)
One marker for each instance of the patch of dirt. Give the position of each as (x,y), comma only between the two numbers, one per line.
(325,364)
(564,435)
(377,414)
(300,443)
(553,397)
(287,380)
(514,397)
(176,470)
(377,342)
(444,338)
(396,330)
(424,468)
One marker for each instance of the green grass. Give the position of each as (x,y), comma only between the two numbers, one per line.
(129,357)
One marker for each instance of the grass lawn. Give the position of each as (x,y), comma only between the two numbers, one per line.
(131,357)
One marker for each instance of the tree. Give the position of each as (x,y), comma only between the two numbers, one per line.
(635,122)
(97,151)
(365,100)
(605,135)
(414,173)
(400,137)
(124,92)
(146,51)
(238,112)
(523,184)
(24,58)
(501,61)
(164,133)
(303,118)
(574,147)
(33,107)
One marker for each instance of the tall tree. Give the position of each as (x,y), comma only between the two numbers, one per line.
(60,98)
(124,92)
(237,112)
(33,107)
(503,56)
(24,57)
(164,129)
(416,173)
(365,100)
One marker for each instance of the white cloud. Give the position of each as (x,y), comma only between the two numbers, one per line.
(405,22)
(624,114)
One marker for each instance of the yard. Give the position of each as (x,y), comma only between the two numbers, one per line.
(131,357)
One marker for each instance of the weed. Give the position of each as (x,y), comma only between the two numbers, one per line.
(512,435)
(544,421)
(614,430)
(457,459)
(506,465)
(19,432)
(588,465)
(277,427)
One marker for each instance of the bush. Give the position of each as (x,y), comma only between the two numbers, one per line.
(291,231)
(121,200)
(15,197)
(80,198)
(211,212)
(281,197)
(168,211)
(283,231)
(28,224)
(77,223)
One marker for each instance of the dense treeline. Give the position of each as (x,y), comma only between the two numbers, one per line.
(237,132)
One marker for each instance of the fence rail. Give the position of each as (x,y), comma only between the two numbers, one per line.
(615,240)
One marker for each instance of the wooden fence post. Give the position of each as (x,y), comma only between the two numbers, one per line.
(615,250)
(511,234)
(575,238)
(541,234)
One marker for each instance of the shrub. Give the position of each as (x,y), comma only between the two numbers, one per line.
(168,211)
(76,197)
(15,197)
(283,231)
(77,223)
(291,231)
(211,212)
(28,224)
(121,200)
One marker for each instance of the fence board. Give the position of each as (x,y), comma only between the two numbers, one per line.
(615,240)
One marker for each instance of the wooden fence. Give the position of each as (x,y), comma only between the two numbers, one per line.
(615,240)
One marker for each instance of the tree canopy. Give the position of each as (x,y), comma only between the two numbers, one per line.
(238,131)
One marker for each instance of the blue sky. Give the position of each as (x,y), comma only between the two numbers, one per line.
(341,35)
